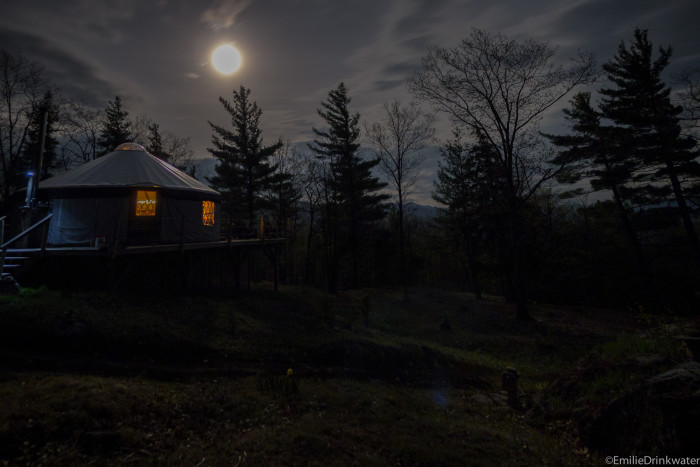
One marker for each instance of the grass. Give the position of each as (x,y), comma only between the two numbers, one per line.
(376,379)
(68,419)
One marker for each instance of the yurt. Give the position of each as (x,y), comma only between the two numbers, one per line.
(129,197)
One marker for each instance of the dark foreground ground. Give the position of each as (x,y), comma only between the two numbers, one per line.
(302,378)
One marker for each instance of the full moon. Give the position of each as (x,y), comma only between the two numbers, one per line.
(226,59)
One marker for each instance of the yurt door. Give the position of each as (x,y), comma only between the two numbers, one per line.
(144,218)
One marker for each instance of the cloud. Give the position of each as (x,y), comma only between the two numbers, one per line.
(284,123)
(402,32)
(223,14)
(421,17)
(75,20)
(77,79)
(383,85)
(192,75)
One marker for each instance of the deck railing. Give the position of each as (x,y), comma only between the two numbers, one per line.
(239,229)
(44,223)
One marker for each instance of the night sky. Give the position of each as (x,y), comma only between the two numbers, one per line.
(156,54)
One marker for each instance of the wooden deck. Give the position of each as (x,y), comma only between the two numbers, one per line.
(47,262)
(144,249)
(140,249)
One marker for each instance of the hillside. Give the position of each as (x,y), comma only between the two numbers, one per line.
(296,377)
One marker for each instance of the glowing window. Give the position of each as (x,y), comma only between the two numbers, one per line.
(208,212)
(145,203)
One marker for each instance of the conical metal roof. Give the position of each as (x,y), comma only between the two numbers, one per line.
(129,165)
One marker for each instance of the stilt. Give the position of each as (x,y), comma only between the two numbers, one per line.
(249,267)
(237,270)
(222,276)
(275,267)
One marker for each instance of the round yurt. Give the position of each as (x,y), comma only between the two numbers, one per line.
(129,197)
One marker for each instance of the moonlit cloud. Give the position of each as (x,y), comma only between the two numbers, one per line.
(61,67)
(223,14)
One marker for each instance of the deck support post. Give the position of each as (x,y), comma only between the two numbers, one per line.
(275,267)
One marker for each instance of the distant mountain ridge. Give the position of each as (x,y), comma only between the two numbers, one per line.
(421,211)
(204,168)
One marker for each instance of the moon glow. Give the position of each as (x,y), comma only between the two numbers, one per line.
(226,59)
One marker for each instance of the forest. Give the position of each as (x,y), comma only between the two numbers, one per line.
(605,214)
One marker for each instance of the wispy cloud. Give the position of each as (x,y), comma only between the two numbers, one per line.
(223,14)
(78,78)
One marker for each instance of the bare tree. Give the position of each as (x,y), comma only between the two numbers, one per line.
(689,79)
(500,89)
(179,148)
(80,131)
(285,189)
(689,97)
(397,141)
(140,127)
(313,180)
(21,90)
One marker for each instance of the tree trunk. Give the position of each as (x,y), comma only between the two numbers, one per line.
(629,230)
(402,248)
(331,251)
(683,209)
(522,311)
(473,267)
(515,226)
(309,240)
(355,278)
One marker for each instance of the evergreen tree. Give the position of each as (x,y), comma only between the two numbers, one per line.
(352,198)
(469,187)
(33,145)
(598,153)
(116,128)
(155,142)
(244,171)
(648,123)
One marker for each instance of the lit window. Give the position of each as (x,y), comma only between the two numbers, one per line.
(145,203)
(208,212)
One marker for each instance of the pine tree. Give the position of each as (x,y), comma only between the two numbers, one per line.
(244,171)
(33,146)
(648,123)
(155,142)
(598,153)
(116,128)
(469,187)
(352,198)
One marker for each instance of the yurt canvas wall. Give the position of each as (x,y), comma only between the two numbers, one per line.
(131,196)
(82,221)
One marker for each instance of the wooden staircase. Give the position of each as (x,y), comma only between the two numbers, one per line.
(13,259)
(13,262)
